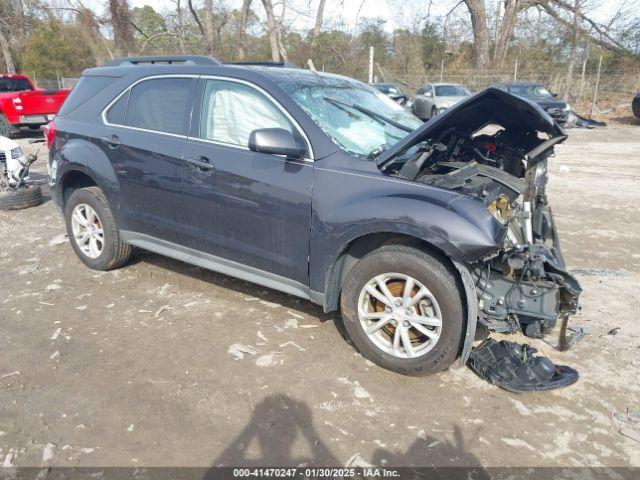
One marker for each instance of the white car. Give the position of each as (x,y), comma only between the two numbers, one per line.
(435,98)
(13,161)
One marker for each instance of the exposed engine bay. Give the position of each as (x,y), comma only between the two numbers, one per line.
(497,150)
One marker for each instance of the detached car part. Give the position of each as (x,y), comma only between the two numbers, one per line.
(16,190)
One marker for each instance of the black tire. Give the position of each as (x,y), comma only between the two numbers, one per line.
(115,252)
(434,111)
(23,197)
(434,275)
(6,129)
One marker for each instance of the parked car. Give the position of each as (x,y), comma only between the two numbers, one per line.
(635,105)
(316,185)
(393,91)
(558,109)
(22,104)
(434,98)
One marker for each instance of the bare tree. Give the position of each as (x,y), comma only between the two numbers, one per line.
(122,26)
(318,26)
(573,53)
(599,35)
(504,28)
(6,52)
(209,29)
(242,28)
(478,14)
(272,30)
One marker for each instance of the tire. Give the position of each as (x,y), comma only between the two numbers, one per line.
(23,197)
(6,129)
(434,111)
(113,252)
(441,283)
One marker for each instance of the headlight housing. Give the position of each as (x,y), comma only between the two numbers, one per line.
(16,152)
(567,107)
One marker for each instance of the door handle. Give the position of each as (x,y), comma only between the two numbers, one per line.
(201,163)
(112,140)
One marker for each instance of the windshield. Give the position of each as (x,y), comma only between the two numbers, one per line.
(14,85)
(529,91)
(389,89)
(354,131)
(451,91)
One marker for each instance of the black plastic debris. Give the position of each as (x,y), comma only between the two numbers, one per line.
(515,368)
(576,121)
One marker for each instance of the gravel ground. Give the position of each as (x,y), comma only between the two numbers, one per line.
(164,364)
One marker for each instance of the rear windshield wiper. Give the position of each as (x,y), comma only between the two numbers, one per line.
(370,113)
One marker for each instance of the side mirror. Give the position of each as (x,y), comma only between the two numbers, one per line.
(276,141)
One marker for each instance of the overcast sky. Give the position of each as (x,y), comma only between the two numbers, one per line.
(397,13)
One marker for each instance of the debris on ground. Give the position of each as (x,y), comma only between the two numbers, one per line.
(48,452)
(514,367)
(613,331)
(238,350)
(7,375)
(576,121)
(629,423)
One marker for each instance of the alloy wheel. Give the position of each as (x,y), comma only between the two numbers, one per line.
(400,315)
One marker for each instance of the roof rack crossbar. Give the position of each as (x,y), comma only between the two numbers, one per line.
(164,59)
(264,64)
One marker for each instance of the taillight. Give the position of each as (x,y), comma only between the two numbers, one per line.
(50,133)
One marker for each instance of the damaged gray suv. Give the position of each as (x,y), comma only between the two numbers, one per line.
(423,235)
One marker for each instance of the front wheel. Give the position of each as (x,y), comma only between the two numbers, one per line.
(402,309)
(434,111)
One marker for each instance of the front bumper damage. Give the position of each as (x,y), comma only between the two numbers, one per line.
(496,147)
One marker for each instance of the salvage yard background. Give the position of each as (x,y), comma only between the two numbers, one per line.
(561,43)
(161,363)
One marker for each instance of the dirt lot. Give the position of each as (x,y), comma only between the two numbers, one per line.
(161,363)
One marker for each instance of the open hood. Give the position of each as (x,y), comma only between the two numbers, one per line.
(491,106)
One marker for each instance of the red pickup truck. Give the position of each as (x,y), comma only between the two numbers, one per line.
(22,104)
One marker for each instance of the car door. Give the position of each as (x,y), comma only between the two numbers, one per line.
(144,132)
(250,208)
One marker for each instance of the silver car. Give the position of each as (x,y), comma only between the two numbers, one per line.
(435,98)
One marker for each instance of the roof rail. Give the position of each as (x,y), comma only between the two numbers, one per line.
(264,64)
(168,59)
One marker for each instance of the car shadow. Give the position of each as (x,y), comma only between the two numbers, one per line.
(232,283)
(281,433)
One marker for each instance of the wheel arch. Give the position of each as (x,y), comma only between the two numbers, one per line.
(72,180)
(358,247)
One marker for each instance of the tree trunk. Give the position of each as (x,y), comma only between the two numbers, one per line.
(478,15)
(316,30)
(209,29)
(574,46)
(121,23)
(505,31)
(6,53)
(272,30)
(242,28)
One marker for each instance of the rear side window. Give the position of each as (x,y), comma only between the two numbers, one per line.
(84,90)
(117,111)
(161,104)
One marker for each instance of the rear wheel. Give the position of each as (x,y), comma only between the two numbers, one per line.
(6,129)
(402,308)
(92,230)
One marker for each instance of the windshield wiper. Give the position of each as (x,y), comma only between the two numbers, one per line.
(370,113)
